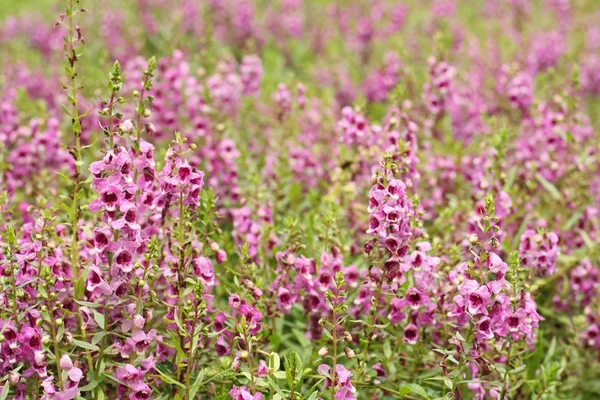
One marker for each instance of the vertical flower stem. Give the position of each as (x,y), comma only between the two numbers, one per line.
(250,363)
(334,357)
(55,345)
(138,125)
(76,126)
(370,328)
(506,372)
(72,58)
(188,369)
(13,282)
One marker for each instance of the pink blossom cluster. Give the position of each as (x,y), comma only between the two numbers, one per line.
(303,200)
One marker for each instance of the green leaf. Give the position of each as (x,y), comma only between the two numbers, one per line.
(61,332)
(4,393)
(79,287)
(534,362)
(197,384)
(88,304)
(549,187)
(279,375)
(313,395)
(76,126)
(275,361)
(99,318)
(275,386)
(587,240)
(85,345)
(387,349)
(90,386)
(572,221)
(413,388)
(551,351)
(98,337)
(169,379)
(518,369)
(293,367)
(510,179)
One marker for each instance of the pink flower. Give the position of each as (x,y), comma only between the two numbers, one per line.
(285,300)
(262,370)
(411,334)
(110,198)
(96,284)
(414,298)
(243,393)
(221,256)
(477,296)
(140,391)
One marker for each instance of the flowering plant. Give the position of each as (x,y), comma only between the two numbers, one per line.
(246,200)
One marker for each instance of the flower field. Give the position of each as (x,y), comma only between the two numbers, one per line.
(299,199)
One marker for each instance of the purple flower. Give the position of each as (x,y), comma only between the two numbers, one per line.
(243,393)
(262,370)
(411,334)
(140,391)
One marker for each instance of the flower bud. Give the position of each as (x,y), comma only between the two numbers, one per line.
(473,239)
(150,128)
(13,378)
(147,314)
(495,242)
(368,247)
(65,362)
(127,125)
(68,338)
(221,256)
(349,352)
(323,351)
(138,321)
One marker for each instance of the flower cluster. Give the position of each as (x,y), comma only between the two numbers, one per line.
(299,200)
(389,221)
(539,251)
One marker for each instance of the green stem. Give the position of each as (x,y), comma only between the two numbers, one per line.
(250,363)
(188,369)
(370,328)
(505,379)
(56,349)
(334,336)
(75,124)
(139,114)
(72,57)
(14,291)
